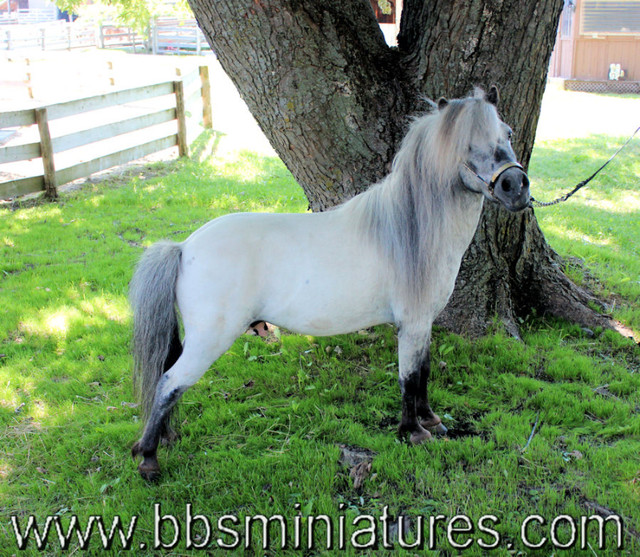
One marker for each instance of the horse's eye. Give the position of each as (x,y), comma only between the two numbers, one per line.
(509,135)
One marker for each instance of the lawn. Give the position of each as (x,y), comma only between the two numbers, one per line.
(547,426)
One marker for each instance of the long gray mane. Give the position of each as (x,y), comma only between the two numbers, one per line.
(405,213)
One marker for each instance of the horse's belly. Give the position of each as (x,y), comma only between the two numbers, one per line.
(334,320)
(322,317)
(321,298)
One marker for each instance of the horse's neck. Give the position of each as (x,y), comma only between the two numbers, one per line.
(451,233)
(459,226)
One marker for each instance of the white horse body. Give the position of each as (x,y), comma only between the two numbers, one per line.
(389,255)
(307,273)
(310,273)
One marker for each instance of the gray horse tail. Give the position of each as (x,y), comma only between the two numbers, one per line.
(156,340)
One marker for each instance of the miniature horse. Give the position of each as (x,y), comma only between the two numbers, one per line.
(388,255)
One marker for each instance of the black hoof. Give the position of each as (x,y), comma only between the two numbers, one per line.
(417,434)
(148,468)
(149,473)
(439,429)
(420,436)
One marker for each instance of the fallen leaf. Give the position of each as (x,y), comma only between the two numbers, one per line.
(359,473)
(576,454)
(351,456)
(604,391)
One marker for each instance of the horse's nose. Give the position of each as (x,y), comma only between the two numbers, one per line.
(512,189)
(512,181)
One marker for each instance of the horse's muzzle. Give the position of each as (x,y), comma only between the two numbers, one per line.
(511,188)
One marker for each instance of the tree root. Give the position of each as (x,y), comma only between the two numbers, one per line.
(509,272)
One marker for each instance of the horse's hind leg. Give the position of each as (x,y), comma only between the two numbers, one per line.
(430,420)
(156,426)
(167,433)
(197,356)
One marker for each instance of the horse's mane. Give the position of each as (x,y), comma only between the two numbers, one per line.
(404,213)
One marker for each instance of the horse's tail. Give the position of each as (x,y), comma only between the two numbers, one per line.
(156,340)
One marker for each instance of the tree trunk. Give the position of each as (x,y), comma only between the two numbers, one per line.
(509,269)
(321,83)
(334,101)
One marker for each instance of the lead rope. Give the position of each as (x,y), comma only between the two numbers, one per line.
(580,185)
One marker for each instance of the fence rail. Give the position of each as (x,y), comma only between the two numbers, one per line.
(58,35)
(148,129)
(116,36)
(177,36)
(166,36)
(29,16)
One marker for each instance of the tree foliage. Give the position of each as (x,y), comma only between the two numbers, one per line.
(133,13)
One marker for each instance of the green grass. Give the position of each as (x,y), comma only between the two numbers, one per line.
(261,432)
(599,225)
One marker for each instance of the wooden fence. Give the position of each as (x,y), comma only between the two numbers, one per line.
(174,102)
(166,35)
(59,35)
(117,36)
(29,16)
(177,36)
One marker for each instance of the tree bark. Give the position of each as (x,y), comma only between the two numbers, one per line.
(509,269)
(321,83)
(334,101)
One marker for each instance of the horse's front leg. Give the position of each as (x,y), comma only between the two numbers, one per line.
(430,420)
(412,349)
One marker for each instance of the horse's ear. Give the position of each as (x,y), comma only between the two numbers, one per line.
(442,102)
(493,96)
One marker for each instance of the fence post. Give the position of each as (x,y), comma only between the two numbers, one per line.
(110,73)
(181,115)
(43,37)
(28,82)
(29,85)
(154,36)
(46,149)
(207,117)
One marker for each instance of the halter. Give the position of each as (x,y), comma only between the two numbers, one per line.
(491,184)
